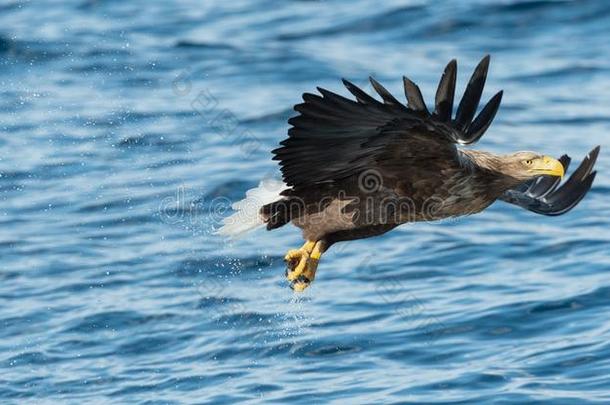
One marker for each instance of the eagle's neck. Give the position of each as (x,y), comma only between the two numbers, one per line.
(489,168)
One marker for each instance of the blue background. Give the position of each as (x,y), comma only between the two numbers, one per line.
(127,127)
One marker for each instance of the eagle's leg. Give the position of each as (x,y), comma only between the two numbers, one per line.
(303,263)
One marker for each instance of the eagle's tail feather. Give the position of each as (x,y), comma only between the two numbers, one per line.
(280,212)
(247,215)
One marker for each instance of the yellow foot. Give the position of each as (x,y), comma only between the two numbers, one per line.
(302,265)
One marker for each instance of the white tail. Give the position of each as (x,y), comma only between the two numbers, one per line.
(246,216)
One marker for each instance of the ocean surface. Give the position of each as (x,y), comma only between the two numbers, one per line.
(128,128)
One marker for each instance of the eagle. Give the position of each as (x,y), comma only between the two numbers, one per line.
(354,169)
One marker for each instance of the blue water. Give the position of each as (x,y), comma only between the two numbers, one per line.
(128,127)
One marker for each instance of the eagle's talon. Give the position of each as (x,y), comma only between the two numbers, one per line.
(290,265)
(301,265)
(295,262)
(300,284)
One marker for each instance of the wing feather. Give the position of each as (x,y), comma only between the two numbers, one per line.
(385,95)
(483,120)
(334,137)
(472,95)
(445,92)
(415,101)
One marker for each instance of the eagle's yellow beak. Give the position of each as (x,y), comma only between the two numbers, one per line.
(548,166)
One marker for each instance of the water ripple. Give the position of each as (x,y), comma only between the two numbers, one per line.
(125,125)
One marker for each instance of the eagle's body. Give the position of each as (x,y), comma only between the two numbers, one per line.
(374,202)
(356,169)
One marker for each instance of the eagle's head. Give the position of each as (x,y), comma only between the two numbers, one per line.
(527,165)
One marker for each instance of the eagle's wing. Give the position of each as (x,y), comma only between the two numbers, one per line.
(335,137)
(543,196)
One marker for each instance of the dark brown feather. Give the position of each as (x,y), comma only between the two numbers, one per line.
(334,140)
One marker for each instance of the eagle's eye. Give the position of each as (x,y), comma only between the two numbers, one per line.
(529,162)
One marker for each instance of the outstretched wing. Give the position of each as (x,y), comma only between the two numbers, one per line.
(334,137)
(543,196)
